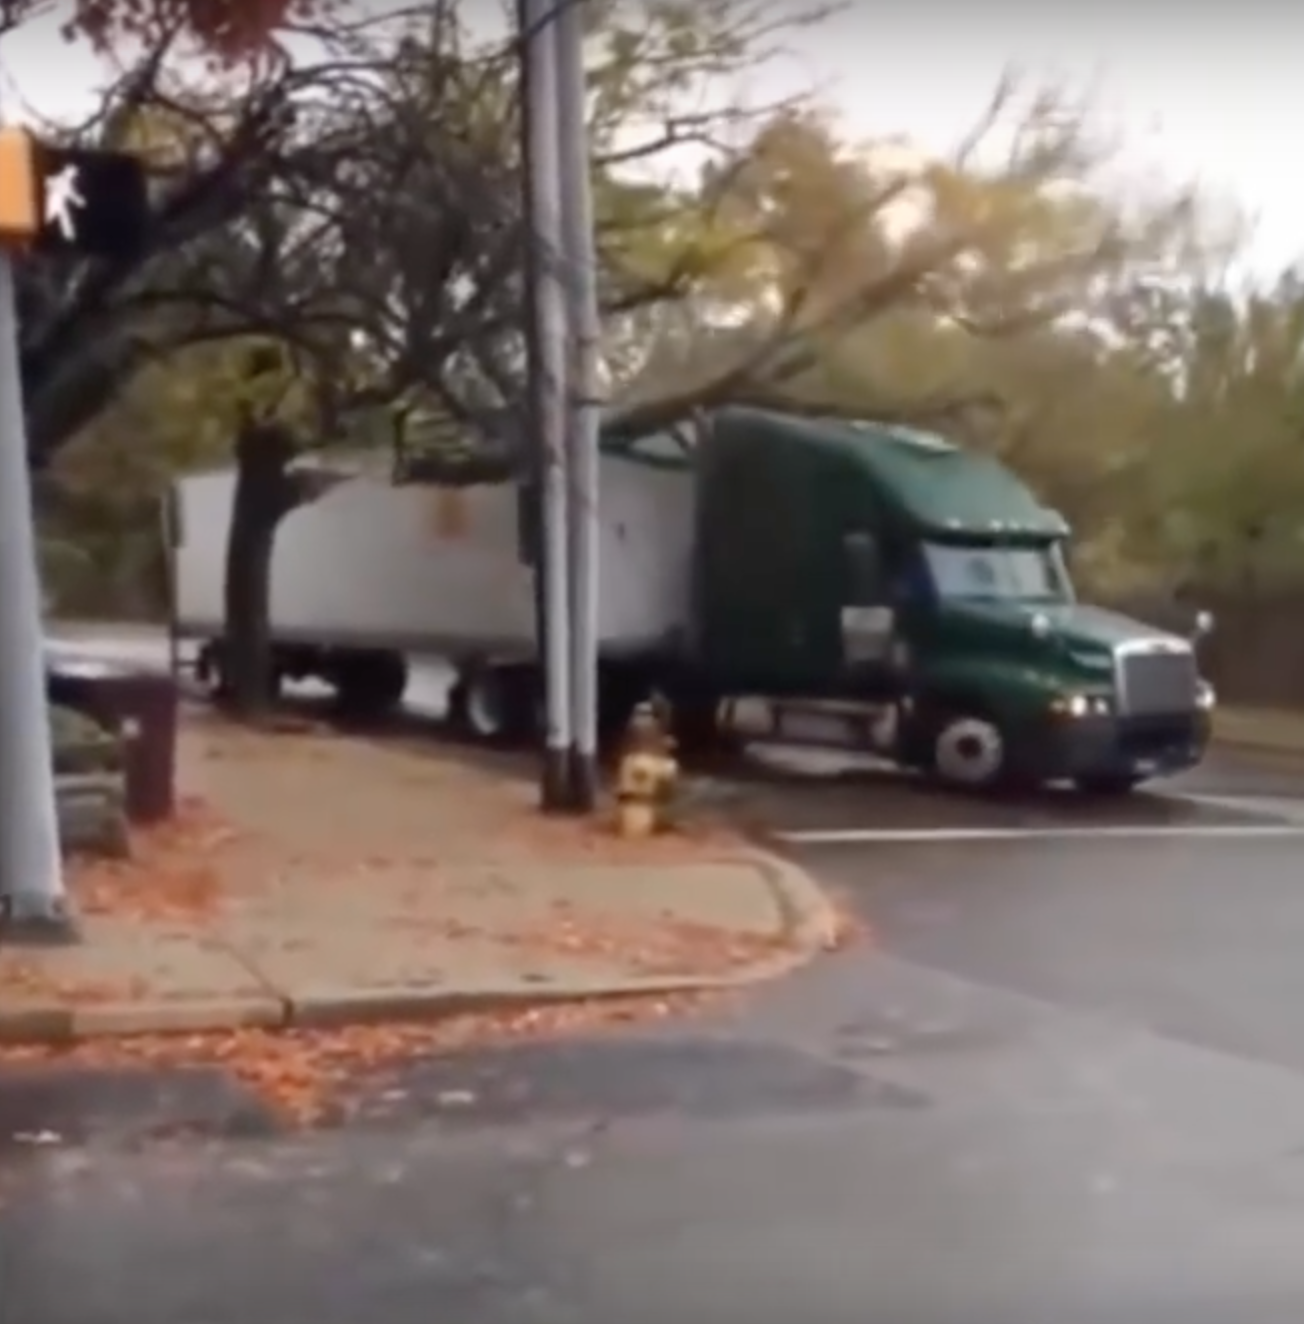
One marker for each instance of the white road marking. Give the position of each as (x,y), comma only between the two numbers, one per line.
(1138,832)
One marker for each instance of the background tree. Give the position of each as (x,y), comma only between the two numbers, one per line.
(88,325)
(349,206)
(866,273)
(226,30)
(388,218)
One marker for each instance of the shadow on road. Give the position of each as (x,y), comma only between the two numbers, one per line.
(767,789)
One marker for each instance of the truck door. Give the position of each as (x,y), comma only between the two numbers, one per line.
(867,617)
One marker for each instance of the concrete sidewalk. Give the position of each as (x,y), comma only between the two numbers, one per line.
(319,880)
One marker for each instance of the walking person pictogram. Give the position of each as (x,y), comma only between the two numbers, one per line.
(63,198)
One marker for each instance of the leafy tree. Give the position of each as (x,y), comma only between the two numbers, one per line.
(1228,475)
(89,325)
(228,30)
(338,238)
(860,277)
(385,232)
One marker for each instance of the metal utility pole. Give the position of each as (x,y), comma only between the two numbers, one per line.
(582,382)
(34,905)
(543,227)
(529,483)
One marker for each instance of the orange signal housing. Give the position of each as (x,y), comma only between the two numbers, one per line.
(20,187)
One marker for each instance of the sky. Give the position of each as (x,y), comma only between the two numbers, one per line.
(1214,93)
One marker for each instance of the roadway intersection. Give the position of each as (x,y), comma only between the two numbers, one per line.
(1063,1079)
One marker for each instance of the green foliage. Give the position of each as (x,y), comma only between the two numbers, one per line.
(1006,294)
(64,564)
(80,744)
(1232,472)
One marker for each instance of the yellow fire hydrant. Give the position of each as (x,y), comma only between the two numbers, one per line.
(646,776)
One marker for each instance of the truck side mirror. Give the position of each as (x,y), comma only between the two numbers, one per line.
(1204,623)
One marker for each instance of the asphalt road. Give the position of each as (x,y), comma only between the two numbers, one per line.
(1063,1081)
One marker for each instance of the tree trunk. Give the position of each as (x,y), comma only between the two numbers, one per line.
(265,492)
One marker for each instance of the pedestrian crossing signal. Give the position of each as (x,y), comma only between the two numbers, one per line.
(21,205)
(70,200)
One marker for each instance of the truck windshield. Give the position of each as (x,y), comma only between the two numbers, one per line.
(1024,573)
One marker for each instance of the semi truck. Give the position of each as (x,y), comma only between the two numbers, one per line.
(756,553)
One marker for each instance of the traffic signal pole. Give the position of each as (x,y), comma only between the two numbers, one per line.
(52,198)
(34,905)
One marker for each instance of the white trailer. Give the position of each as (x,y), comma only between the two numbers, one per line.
(371,572)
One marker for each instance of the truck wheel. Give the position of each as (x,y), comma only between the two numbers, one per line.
(211,674)
(1116,784)
(969,751)
(369,685)
(495,705)
(209,671)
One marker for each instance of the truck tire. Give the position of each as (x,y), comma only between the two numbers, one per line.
(209,671)
(369,684)
(495,705)
(211,674)
(969,751)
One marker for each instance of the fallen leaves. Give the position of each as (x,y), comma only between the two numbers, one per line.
(594,841)
(300,819)
(651,947)
(171,874)
(26,980)
(351,798)
(304,1074)
(846,929)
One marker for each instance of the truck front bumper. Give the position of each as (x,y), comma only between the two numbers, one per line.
(1109,746)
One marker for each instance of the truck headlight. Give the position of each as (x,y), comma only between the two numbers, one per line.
(1081,705)
(1205,698)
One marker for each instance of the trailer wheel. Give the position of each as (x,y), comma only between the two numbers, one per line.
(495,705)
(206,665)
(209,671)
(369,684)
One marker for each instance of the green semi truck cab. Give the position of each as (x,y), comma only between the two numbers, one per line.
(883,565)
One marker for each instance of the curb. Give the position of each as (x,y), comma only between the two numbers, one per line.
(60,1024)
(809,926)
(811,922)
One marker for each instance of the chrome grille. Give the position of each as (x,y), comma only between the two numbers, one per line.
(1154,679)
